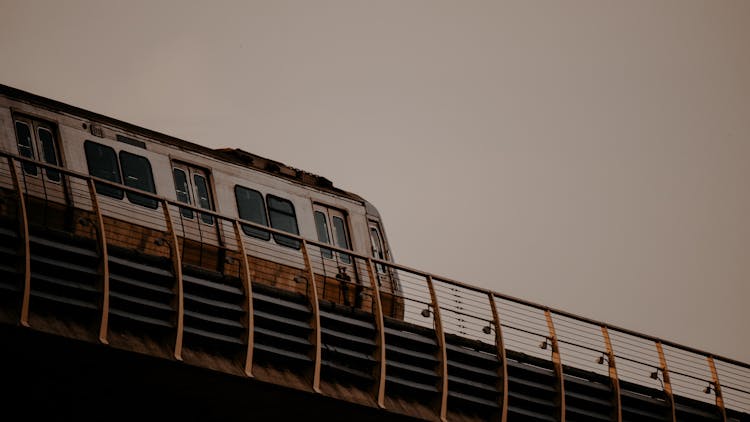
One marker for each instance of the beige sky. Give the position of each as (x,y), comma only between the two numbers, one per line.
(593,156)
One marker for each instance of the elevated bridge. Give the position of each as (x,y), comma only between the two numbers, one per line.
(92,329)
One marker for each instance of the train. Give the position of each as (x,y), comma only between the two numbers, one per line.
(229,182)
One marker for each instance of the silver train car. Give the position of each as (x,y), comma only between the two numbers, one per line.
(228,182)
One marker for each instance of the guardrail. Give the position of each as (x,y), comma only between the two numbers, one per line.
(450,308)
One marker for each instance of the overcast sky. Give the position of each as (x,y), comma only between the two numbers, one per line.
(593,156)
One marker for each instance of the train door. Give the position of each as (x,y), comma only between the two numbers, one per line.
(332,228)
(38,140)
(201,236)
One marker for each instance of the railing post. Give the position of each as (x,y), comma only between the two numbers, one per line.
(23,223)
(443,350)
(248,285)
(380,396)
(501,355)
(103,262)
(667,383)
(316,317)
(556,362)
(177,264)
(717,388)
(614,379)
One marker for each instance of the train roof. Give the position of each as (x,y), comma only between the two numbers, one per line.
(231,155)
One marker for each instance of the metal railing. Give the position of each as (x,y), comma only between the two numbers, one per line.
(513,326)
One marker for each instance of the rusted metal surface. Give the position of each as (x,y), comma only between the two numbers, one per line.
(616,399)
(103,262)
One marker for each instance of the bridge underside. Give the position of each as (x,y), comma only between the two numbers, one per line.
(47,376)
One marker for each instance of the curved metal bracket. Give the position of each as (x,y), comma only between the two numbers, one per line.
(103,262)
(443,351)
(23,222)
(557,363)
(380,395)
(247,284)
(667,383)
(717,388)
(614,379)
(315,317)
(500,355)
(177,264)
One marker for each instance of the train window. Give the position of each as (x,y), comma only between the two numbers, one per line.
(102,163)
(203,198)
(378,248)
(25,146)
(191,186)
(49,154)
(136,171)
(321,225)
(334,233)
(251,208)
(36,140)
(282,216)
(183,191)
(340,237)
